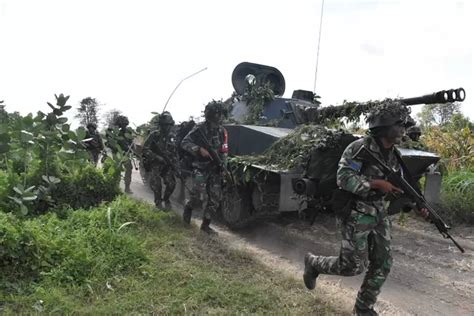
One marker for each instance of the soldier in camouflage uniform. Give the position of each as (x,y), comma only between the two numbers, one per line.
(159,155)
(206,175)
(95,145)
(365,231)
(124,140)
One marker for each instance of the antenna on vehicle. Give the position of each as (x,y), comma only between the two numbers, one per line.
(177,86)
(319,44)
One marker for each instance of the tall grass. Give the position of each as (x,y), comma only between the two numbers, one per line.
(457,196)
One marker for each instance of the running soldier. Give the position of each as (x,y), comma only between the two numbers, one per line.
(366,226)
(207,142)
(160,157)
(95,145)
(123,140)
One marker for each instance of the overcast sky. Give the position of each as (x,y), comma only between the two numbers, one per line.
(130,55)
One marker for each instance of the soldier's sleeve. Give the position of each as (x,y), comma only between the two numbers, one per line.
(189,142)
(146,151)
(349,175)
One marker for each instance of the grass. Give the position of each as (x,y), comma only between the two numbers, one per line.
(184,272)
(457,196)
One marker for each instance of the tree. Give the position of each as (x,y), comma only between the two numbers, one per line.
(87,111)
(109,117)
(438,114)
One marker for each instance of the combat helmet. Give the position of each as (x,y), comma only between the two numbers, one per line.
(214,110)
(414,132)
(165,118)
(121,121)
(388,113)
(91,126)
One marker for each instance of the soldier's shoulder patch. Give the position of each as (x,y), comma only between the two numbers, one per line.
(354,165)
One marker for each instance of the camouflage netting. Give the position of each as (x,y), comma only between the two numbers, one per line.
(389,108)
(351,111)
(295,149)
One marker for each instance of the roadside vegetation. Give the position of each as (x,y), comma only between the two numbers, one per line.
(128,257)
(71,243)
(451,135)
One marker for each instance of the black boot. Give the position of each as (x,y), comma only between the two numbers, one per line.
(364,311)
(158,201)
(167,205)
(205,227)
(187,214)
(310,273)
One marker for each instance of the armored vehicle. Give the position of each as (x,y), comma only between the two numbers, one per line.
(263,122)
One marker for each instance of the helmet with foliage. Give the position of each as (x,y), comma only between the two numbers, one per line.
(214,110)
(388,113)
(165,119)
(91,126)
(121,121)
(414,132)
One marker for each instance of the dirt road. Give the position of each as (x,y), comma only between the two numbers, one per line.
(429,275)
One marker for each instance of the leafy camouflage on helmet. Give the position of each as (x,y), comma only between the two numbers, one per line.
(214,107)
(388,113)
(121,121)
(165,118)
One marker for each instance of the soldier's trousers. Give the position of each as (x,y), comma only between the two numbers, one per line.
(159,175)
(206,192)
(127,179)
(94,156)
(365,239)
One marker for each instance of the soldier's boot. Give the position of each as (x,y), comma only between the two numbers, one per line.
(166,199)
(158,200)
(206,228)
(167,205)
(310,273)
(187,214)
(364,311)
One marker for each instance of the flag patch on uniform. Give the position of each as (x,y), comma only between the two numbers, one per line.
(355,165)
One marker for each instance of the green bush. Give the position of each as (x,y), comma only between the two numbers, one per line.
(457,196)
(45,164)
(85,188)
(88,246)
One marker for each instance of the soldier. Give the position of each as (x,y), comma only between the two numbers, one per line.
(95,145)
(414,132)
(159,155)
(206,174)
(366,226)
(124,140)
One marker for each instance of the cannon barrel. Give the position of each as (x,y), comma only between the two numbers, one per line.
(353,110)
(443,96)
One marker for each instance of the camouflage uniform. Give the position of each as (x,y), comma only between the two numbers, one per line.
(124,140)
(366,232)
(95,146)
(160,157)
(206,174)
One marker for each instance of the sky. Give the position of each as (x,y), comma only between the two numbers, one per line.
(130,55)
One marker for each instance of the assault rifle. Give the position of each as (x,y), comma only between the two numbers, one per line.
(411,192)
(215,158)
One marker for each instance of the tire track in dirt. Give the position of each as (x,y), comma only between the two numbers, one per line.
(429,276)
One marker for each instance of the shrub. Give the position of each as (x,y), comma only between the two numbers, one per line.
(87,246)
(457,196)
(85,188)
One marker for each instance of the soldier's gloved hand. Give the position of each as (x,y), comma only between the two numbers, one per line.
(384,186)
(423,212)
(204,153)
